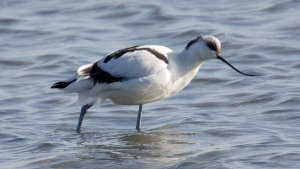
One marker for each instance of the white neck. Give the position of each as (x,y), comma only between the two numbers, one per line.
(183,66)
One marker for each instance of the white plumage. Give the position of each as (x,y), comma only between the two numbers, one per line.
(140,74)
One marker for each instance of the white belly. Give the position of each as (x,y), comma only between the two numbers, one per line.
(151,89)
(140,91)
(143,90)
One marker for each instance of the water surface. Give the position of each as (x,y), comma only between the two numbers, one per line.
(221,120)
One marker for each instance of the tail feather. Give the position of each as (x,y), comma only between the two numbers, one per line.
(62,84)
(80,85)
(77,84)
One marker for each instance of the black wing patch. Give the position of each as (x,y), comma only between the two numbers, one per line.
(100,76)
(121,52)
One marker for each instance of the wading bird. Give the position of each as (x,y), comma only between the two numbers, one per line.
(141,74)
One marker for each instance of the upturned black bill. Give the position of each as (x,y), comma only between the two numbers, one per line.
(219,57)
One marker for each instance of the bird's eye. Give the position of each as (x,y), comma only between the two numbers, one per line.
(211,45)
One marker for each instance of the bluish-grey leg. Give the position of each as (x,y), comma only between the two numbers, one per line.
(139,118)
(82,113)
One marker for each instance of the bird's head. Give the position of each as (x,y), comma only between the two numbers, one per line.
(208,47)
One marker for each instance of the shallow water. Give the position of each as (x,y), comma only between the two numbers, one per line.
(221,120)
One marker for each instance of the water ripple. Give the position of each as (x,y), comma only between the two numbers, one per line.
(221,120)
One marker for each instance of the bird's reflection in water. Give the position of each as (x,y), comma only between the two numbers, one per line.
(159,146)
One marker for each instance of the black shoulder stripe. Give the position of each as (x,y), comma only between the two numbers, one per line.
(121,52)
(101,76)
(157,54)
